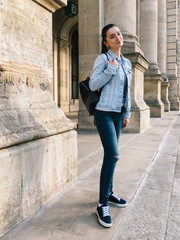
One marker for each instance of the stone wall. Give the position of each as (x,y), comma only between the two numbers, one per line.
(38,155)
(172,61)
(33,173)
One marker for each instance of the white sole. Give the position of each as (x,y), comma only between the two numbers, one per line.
(119,205)
(107,225)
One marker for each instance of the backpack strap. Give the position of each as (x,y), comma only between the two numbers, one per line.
(107,56)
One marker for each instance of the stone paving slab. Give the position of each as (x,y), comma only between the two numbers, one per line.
(145,217)
(161,174)
(146,175)
(148,212)
(173,225)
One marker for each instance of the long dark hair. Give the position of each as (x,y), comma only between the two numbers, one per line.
(104,31)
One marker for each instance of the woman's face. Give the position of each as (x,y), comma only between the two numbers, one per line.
(114,39)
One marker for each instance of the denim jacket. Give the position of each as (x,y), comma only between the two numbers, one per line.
(105,77)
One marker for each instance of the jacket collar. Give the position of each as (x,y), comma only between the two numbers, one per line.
(113,55)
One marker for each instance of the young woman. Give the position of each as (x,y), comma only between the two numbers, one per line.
(112,74)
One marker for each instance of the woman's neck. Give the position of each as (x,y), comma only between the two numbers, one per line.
(117,52)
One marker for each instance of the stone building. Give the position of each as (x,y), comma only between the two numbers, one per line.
(46,48)
(150,30)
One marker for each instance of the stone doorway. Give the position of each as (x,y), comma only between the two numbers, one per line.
(66,64)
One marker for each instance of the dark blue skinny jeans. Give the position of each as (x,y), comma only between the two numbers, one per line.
(109,126)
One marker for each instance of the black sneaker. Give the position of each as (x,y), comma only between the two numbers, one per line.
(119,202)
(104,216)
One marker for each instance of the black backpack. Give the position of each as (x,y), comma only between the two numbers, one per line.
(89,98)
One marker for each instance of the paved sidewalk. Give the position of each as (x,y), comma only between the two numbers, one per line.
(147,176)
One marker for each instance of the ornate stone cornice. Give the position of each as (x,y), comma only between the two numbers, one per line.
(51,5)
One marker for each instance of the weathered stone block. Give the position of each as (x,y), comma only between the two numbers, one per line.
(171,59)
(171,25)
(49,165)
(152,94)
(172,72)
(171,12)
(171,52)
(31,174)
(171,18)
(140,119)
(171,32)
(171,5)
(172,66)
(171,45)
(171,38)
(10,188)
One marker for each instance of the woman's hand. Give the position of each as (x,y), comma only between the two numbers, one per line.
(114,62)
(125,122)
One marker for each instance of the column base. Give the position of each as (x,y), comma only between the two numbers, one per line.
(174,93)
(166,105)
(156,108)
(175,106)
(85,121)
(152,93)
(140,118)
(164,94)
(140,113)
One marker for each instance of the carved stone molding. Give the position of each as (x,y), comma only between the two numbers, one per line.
(64,34)
(51,5)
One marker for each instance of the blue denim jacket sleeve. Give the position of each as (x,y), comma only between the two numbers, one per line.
(101,73)
(127,109)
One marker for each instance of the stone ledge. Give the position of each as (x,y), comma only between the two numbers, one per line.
(51,5)
(24,125)
(27,110)
(30,70)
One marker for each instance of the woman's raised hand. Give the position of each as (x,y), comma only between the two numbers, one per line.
(114,62)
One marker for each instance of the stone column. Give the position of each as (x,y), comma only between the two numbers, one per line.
(162,35)
(90,26)
(162,53)
(172,53)
(123,14)
(148,40)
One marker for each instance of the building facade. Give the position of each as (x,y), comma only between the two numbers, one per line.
(46,48)
(150,30)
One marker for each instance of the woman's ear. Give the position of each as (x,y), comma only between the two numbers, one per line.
(105,43)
